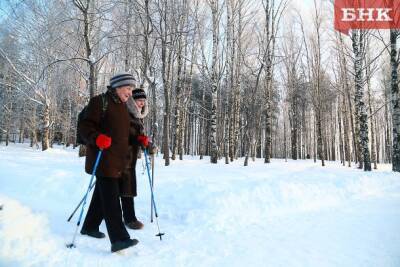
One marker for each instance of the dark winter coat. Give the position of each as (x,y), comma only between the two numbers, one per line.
(115,124)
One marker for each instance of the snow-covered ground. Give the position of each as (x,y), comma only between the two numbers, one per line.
(293,213)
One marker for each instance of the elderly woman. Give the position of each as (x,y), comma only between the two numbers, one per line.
(138,110)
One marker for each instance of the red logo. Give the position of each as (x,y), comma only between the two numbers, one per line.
(366,14)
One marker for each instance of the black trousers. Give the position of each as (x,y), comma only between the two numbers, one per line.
(105,205)
(128,209)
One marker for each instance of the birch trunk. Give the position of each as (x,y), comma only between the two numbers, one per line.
(358,49)
(395,101)
(165,79)
(373,149)
(214,83)
(346,133)
(339,121)
(178,107)
(238,80)
(45,126)
(270,45)
(318,94)
(388,154)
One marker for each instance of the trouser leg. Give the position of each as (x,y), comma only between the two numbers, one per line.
(109,195)
(128,208)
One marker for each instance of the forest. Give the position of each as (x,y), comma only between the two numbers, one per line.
(226,79)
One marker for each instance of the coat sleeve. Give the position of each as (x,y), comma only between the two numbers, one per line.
(135,129)
(90,125)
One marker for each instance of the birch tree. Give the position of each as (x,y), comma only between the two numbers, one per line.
(214,7)
(395,100)
(273,13)
(358,41)
(316,70)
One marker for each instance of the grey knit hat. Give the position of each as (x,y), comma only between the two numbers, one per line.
(122,79)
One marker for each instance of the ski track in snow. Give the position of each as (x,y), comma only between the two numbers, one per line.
(293,213)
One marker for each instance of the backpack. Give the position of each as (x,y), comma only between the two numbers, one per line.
(83,114)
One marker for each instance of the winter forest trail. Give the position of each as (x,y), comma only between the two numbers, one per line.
(293,213)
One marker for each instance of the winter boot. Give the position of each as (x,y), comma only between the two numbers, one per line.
(95,234)
(135,225)
(123,244)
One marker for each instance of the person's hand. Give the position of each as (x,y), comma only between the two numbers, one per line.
(103,141)
(143,140)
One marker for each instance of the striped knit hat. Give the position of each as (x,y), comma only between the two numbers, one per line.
(122,79)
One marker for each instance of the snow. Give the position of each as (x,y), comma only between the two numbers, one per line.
(293,213)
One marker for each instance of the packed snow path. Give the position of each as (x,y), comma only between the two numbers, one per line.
(293,213)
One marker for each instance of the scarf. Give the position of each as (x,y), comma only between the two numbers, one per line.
(134,109)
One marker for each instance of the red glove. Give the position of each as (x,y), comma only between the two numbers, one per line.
(143,140)
(103,141)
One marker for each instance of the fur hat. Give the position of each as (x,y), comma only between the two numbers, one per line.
(138,93)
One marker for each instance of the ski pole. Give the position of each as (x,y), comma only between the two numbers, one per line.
(152,184)
(71,245)
(80,203)
(152,195)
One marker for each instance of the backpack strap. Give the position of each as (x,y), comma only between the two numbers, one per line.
(104,105)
